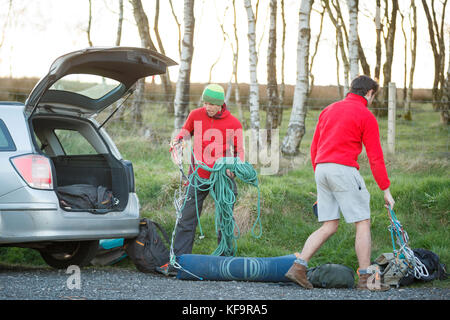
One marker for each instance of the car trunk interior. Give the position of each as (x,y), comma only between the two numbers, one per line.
(80,156)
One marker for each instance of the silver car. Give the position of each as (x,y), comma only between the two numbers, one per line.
(53,141)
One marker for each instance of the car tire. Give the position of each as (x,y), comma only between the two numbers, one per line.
(63,255)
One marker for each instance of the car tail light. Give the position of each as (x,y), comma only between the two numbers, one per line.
(35,170)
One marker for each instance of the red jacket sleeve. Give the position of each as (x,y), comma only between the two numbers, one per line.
(187,129)
(371,140)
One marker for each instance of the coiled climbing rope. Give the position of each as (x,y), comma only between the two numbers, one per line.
(220,188)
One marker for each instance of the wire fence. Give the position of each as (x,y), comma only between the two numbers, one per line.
(423,136)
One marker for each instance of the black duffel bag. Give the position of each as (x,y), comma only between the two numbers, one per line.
(86,196)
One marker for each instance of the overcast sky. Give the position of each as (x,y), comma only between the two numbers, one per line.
(41,30)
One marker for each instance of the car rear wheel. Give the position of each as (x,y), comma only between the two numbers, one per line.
(62,255)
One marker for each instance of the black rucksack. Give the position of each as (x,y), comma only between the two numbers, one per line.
(147,250)
(430,260)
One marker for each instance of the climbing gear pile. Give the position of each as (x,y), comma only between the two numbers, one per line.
(219,186)
(404,253)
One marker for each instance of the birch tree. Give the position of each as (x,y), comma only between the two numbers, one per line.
(165,78)
(235,49)
(253,97)
(413,42)
(413,46)
(446,91)
(119,24)
(120,114)
(376,104)
(88,30)
(234,44)
(144,33)
(436,33)
(378,28)
(273,110)
(389,41)
(178,26)
(181,102)
(316,47)
(347,43)
(405,55)
(353,38)
(340,41)
(283,55)
(296,127)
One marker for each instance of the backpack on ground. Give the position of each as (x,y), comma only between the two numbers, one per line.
(148,251)
(430,260)
(393,270)
(331,275)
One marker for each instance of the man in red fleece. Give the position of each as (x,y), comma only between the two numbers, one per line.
(216,133)
(342,129)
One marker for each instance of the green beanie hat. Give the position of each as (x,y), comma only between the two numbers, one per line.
(214,94)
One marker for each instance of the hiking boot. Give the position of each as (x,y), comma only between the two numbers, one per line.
(372,286)
(297,273)
(167,270)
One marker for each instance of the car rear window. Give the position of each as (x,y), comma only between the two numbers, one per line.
(6,142)
(74,143)
(91,86)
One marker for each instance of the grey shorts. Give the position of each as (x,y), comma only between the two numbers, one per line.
(341,188)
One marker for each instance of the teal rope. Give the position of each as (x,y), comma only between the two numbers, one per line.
(220,187)
(397,232)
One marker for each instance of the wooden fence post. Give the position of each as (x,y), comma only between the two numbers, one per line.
(392,106)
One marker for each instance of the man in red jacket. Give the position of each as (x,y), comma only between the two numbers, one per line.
(342,129)
(216,133)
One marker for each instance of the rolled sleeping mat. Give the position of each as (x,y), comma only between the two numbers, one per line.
(218,268)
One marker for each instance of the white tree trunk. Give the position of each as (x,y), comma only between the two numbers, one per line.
(181,102)
(253,61)
(120,23)
(340,43)
(235,74)
(273,110)
(283,55)
(409,92)
(353,38)
(296,127)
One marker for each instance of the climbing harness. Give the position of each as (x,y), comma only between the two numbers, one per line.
(219,186)
(399,235)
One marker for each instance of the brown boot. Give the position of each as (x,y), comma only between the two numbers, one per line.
(297,273)
(377,285)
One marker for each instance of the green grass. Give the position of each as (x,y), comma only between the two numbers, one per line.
(420,184)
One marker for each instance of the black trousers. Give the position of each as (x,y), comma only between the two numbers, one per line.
(185,230)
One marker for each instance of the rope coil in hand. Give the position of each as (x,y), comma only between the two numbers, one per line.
(220,188)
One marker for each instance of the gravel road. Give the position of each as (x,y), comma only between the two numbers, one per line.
(100,283)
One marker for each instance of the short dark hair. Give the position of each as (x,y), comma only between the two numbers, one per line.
(362,84)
